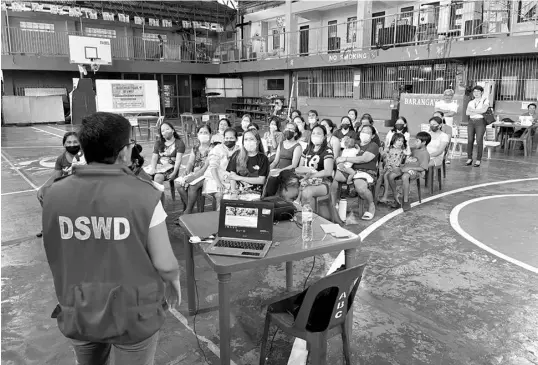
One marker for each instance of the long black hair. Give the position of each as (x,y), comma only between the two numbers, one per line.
(161,138)
(397,136)
(404,130)
(323,146)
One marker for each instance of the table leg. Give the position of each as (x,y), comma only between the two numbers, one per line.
(350,262)
(189,269)
(289,275)
(224,317)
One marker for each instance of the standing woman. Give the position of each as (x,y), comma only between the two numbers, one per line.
(167,154)
(249,166)
(288,154)
(332,141)
(346,129)
(218,137)
(303,129)
(64,163)
(353,115)
(319,157)
(196,167)
(274,137)
(477,125)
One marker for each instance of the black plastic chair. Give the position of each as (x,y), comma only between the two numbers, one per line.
(339,287)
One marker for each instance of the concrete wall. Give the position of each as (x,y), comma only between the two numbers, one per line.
(16,79)
(256,84)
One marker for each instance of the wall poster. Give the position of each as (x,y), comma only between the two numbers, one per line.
(128,96)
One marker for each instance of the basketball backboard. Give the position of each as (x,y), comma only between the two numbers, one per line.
(88,50)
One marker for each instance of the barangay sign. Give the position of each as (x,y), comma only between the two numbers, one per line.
(348,55)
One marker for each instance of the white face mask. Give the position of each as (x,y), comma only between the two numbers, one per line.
(203,138)
(317,140)
(312,120)
(250,146)
(365,137)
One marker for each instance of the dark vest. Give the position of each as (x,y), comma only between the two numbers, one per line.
(95,233)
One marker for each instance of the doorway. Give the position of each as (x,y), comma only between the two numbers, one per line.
(303,40)
(378,23)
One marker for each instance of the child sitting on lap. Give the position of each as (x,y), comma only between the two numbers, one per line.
(349,151)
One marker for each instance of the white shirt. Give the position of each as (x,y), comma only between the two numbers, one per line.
(452,106)
(391,133)
(159,215)
(478,104)
(435,143)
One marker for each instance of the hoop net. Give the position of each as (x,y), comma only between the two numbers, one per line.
(95,67)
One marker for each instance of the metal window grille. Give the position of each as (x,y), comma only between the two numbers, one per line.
(326,83)
(380,81)
(40,90)
(516,77)
(101,33)
(37,27)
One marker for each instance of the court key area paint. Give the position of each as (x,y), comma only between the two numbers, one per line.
(504,225)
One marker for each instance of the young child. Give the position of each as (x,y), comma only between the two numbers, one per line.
(349,151)
(392,158)
(415,166)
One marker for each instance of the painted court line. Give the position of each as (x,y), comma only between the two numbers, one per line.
(19,192)
(298,353)
(454,221)
(61,130)
(30,147)
(18,172)
(44,131)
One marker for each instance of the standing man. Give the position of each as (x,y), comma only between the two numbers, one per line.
(107,245)
(448,107)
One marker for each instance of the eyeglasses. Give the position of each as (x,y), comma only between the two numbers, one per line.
(131,141)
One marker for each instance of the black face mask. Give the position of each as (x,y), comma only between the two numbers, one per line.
(434,129)
(289,135)
(345,127)
(229,144)
(73,149)
(399,127)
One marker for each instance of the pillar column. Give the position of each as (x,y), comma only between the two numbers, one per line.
(364,23)
(291,36)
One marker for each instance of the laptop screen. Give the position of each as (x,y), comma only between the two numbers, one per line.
(246,220)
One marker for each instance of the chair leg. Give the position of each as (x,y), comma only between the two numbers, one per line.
(444,168)
(345,344)
(319,350)
(430,179)
(172,189)
(264,339)
(200,202)
(439,178)
(524,148)
(489,153)
(418,190)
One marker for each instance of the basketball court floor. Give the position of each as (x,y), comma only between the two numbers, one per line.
(452,281)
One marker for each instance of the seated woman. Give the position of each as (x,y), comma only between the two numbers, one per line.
(64,163)
(345,129)
(365,165)
(216,177)
(319,157)
(400,126)
(367,120)
(218,137)
(273,138)
(248,168)
(167,154)
(256,129)
(246,121)
(288,153)
(332,141)
(195,169)
(304,139)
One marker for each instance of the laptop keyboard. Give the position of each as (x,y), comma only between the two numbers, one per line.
(242,245)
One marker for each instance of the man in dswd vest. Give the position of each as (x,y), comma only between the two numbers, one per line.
(107,245)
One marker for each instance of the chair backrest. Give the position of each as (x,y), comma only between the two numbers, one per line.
(344,284)
(424,127)
(490,133)
(160,121)
(462,132)
(270,187)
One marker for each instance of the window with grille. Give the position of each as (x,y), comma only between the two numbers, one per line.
(153,37)
(351,29)
(275,84)
(101,33)
(276,39)
(37,27)
(333,29)
(527,11)
(326,83)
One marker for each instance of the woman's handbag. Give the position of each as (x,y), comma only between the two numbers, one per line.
(489,117)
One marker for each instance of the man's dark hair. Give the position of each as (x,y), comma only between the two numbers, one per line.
(424,137)
(531,104)
(479,88)
(102,136)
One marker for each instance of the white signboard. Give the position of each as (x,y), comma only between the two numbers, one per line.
(127,96)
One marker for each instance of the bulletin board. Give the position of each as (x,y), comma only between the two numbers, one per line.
(127,96)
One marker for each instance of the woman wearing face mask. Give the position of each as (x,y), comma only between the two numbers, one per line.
(273,138)
(399,127)
(313,118)
(367,120)
(332,141)
(303,129)
(319,157)
(216,177)
(219,136)
(365,165)
(345,129)
(289,151)
(439,140)
(167,154)
(64,163)
(137,163)
(195,169)
(352,114)
(249,166)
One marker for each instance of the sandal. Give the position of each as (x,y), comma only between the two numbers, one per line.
(477,164)
(367,216)
(469,163)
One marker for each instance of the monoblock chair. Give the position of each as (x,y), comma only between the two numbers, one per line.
(525,139)
(324,307)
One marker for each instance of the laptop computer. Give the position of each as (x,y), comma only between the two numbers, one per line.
(245,229)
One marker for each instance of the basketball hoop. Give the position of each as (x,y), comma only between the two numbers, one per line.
(95,67)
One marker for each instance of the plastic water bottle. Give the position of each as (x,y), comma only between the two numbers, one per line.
(307,223)
(342,209)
